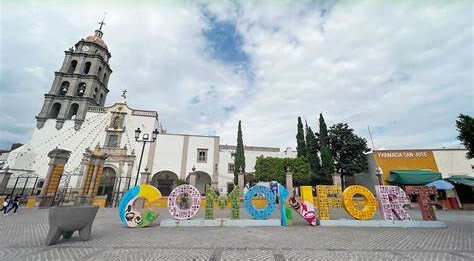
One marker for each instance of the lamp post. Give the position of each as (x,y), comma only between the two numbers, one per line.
(145,138)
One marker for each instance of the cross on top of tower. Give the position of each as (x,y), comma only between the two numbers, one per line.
(102,23)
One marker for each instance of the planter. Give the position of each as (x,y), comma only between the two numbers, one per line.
(65,220)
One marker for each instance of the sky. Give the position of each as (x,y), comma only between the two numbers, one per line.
(404,68)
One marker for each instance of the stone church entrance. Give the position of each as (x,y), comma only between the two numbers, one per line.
(106,187)
(164,181)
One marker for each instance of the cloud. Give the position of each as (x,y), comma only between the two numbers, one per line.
(404,68)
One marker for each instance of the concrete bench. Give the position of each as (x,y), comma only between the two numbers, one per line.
(64,220)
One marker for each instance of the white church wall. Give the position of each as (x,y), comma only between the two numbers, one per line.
(34,154)
(224,175)
(201,142)
(147,125)
(168,154)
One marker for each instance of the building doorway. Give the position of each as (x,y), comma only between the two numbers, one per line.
(164,181)
(203,180)
(106,187)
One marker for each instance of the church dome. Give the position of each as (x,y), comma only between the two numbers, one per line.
(96,38)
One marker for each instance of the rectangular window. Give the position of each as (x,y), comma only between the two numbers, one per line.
(112,141)
(231,167)
(202,156)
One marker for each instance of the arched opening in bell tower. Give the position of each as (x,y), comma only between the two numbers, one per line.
(64,88)
(81,89)
(55,110)
(72,66)
(87,67)
(73,111)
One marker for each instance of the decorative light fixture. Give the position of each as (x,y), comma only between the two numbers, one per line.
(137,133)
(154,134)
(145,138)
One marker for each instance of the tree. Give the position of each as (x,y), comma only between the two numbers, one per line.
(312,156)
(348,151)
(323,131)
(301,145)
(327,162)
(327,166)
(239,158)
(274,169)
(465,127)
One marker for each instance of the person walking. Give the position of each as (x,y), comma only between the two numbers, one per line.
(6,202)
(15,204)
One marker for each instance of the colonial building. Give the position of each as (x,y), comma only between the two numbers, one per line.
(74,118)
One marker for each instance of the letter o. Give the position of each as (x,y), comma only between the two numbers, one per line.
(368,211)
(184,213)
(265,212)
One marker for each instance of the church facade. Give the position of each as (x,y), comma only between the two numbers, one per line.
(74,118)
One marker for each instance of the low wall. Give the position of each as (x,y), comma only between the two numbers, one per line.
(163,203)
(99,201)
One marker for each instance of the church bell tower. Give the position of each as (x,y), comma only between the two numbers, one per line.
(80,82)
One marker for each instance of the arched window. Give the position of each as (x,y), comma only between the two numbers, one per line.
(101,100)
(55,110)
(99,71)
(95,93)
(73,111)
(87,67)
(117,123)
(81,89)
(104,79)
(64,87)
(72,66)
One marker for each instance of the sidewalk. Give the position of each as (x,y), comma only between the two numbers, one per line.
(23,235)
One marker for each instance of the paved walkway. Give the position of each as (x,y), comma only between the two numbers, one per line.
(22,237)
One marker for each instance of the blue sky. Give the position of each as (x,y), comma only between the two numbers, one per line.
(403,67)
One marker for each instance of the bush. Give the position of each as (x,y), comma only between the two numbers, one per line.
(274,169)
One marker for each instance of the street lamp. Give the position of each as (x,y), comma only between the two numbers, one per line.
(145,138)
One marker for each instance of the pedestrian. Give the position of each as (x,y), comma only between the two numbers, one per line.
(6,202)
(15,204)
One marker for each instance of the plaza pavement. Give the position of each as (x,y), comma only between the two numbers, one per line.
(22,236)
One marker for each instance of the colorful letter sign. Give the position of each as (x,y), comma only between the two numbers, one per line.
(212,198)
(328,196)
(184,202)
(368,211)
(305,209)
(423,196)
(391,201)
(282,196)
(131,217)
(265,212)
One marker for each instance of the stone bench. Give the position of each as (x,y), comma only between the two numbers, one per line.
(64,220)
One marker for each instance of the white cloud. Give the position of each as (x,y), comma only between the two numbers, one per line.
(404,68)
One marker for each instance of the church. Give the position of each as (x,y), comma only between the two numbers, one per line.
(134,146)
